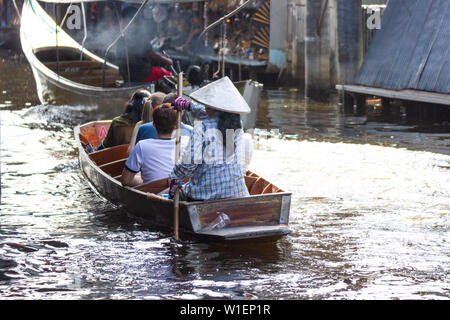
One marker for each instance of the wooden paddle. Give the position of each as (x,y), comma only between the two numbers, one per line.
(176,199)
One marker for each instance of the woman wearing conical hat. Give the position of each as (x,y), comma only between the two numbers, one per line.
(213,159)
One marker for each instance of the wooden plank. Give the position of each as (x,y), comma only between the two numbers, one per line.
(62,65)
(268,189)
(410,95)
(113,168)
(109,154)
(249,182)
(262,187)
(89,73)
(258,186)
(250,232)
(154,186)
(109,83)
(247,211)
(92,76)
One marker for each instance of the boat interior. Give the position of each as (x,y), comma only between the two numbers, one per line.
(71,64)
(112,161)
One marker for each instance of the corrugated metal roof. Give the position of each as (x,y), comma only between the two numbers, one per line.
(412,48)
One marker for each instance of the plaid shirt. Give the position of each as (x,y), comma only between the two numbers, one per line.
(214,176)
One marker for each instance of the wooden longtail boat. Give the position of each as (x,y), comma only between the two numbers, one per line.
(264,214)
(61,76)
(66,73)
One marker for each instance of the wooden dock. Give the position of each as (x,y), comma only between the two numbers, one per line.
(410,95)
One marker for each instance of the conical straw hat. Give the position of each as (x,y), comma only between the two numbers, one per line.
(221,95)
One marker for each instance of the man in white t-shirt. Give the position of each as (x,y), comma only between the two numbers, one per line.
(153,159)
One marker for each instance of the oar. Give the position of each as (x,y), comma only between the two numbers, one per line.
(176,199)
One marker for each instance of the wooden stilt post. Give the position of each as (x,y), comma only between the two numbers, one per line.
(317,51)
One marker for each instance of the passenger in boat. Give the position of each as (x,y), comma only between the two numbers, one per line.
(148,131)
(153,159)
(213,160)
(122,127)
(137,57)
(147,117)
(192,40)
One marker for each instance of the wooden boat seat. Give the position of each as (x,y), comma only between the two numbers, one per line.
(249,181)
(270,188)
(153,187)
(86,72)
(258,185)
(263,211)
(73,65)
(245,232)
(114,168)
(89,73)
(109,154)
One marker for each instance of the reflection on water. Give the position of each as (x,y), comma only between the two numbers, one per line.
(286,110)
(368,220)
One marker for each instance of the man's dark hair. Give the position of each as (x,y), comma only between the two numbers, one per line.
(135,105)
(164,118)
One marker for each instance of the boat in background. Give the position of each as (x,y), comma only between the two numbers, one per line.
(66,73)
(264,214)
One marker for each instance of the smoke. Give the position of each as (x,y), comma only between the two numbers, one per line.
(105,23)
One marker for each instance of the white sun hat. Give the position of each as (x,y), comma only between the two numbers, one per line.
(221,95)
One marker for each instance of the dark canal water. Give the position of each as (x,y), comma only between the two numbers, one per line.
(370,212)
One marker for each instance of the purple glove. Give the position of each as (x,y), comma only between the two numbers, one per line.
(174,185)
(182,104)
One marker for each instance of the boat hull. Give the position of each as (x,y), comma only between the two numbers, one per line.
(58,92)
(256,216)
